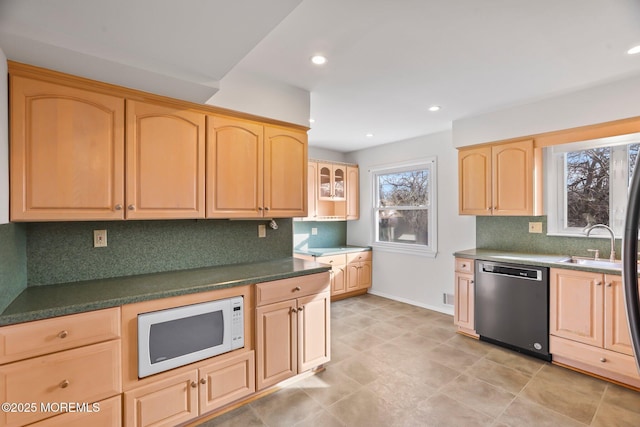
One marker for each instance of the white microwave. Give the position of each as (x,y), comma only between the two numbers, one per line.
(182,335)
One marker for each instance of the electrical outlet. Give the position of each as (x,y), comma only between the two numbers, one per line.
(314,231)
(99,238)
(262,230)
(535,227)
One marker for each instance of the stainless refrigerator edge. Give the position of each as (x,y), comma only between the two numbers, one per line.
(630,263)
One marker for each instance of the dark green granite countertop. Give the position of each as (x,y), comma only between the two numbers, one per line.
(539,260)
(41,302)
(338,250)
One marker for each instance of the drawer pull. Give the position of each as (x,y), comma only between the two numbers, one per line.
(194,384)
(64,384)
(203,381)
(603,359)
(297,288)
(63,334)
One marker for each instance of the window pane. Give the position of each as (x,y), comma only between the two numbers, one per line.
(404,188)
(633,158)
(403,226)
(588,187)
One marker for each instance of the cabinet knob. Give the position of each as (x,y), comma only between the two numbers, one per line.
(297,288)
(194,384)
(471,282)
(603,359)
(203,381)
(259,208)
(118,207)
(301,308)
(293,310)
(64,384)
(609,285)
(598,283)
(464,265)
(489,208)
(131,207)
(266,208)
(63,334)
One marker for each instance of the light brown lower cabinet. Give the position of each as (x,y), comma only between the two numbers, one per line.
(187,395)
(292,334)
(464,293)
(106,413)
(588,324)
(350,274)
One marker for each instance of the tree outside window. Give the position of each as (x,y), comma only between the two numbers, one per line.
(404,207)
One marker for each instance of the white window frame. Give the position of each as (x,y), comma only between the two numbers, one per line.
(429,250)
(555,185)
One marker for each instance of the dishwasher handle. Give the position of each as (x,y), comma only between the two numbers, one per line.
(512,271)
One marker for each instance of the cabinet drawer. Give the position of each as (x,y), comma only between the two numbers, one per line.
(282,290)
(85,374)
(106,413)
(359,256)
(60,333)
(606,363)
(464,265)
(332,259)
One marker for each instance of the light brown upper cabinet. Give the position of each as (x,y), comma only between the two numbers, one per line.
(255,171)
(353,192)
(497,180)
(331,181)
(67,153)
(165,162)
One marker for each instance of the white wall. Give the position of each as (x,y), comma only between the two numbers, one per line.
(267,98)
(4,141)
(612,101)
(316,153)
(414,279)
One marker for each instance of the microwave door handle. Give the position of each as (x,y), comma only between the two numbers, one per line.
(630,263)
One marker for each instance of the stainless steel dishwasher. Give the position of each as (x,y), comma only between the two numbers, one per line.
(512,306)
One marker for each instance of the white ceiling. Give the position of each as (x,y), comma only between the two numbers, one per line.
(388,61)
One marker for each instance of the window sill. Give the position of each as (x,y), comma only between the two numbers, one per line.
(399,249)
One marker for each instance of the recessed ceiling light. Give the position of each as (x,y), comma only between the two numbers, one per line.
(634,50)
(434,108)
(318,59)
(369,135)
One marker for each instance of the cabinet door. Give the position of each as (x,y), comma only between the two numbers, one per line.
(67,153)
(616,326)
(353,276)
(576,306)
(234,168)
(325,181)
(165,162)
(276,343)
(314,341)
(285,173)
(338,280)
(339,182)
(474,181)
(512,178)
(227,380)
(353,193)
(464,301)
(167,402)
(364,280)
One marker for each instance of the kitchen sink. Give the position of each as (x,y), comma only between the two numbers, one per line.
(590,262)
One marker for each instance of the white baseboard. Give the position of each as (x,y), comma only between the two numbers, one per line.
(412,302)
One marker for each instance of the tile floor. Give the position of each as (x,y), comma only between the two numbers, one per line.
(394,364)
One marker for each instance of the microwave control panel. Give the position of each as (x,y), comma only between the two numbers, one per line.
(237,323)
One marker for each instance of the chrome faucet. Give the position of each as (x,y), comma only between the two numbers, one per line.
(612,258)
